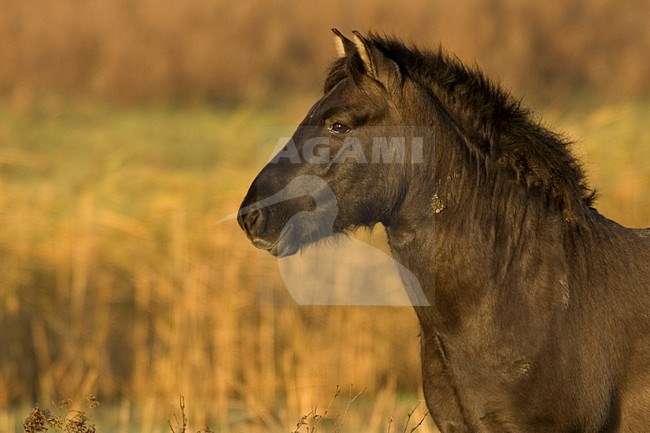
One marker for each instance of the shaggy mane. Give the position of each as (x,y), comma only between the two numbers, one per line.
(493,122)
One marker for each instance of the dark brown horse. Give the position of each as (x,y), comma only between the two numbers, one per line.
(537,312)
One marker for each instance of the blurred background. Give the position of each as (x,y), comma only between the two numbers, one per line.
(127,129)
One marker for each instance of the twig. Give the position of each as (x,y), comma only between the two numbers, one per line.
(390,424)
(420,423)
(319,418)
(408,419)
(347,408)
(409,415)
(183,428)
(316,418)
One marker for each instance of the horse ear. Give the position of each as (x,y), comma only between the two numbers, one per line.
(377,64)
(344,46)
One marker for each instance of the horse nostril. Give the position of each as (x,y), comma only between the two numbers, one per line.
(254,221)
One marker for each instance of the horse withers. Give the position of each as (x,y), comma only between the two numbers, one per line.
(538,312)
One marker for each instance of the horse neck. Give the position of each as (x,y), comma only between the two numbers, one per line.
(469,236)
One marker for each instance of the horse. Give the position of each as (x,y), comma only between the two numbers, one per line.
(536,309)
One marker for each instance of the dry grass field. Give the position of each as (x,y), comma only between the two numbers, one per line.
(116,281)
(216,50)
(128,129)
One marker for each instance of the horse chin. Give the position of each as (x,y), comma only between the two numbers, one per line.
(284,249)
(291,241)
(287,243)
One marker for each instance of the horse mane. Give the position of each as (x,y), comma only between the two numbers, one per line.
(494,124)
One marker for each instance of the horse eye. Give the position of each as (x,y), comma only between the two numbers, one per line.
(340,128)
